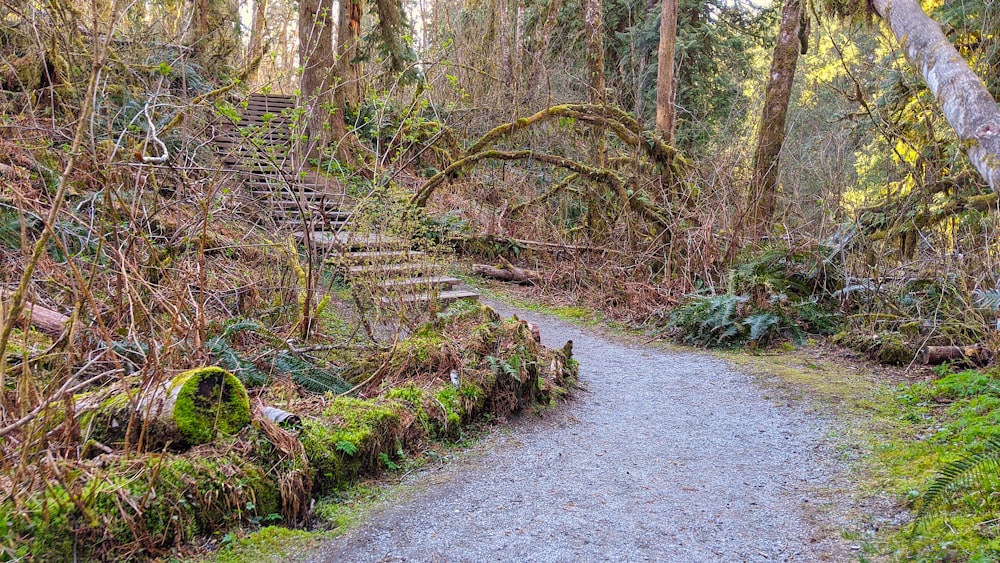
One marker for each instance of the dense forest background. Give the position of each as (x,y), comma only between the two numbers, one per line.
(550,138)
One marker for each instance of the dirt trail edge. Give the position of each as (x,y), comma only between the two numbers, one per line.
(663,456)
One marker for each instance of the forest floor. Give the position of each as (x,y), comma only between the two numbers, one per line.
(665,454)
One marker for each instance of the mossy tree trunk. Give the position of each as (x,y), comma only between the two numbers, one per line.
(771,134)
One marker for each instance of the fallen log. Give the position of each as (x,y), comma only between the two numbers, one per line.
(507,273)
(974,355)
(189,409)
(46,320)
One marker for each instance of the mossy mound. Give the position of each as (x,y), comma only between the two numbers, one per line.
(346,440)
(886,347)
(119,508)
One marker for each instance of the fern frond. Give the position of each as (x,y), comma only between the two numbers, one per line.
(987,299)
(309,375)
(979,467)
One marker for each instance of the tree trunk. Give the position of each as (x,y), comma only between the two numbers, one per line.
(966,103)
(538,59)
(255,50)
(348,35)
(665,71)
(213,35)
(507,272)
(317,62)
(596,223)
(771,134)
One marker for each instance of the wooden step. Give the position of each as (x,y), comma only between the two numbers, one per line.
(276,192)
(384,270)
(274,99)
(422,283)
(317,227)
(327,220)
(375,257)
(349,240)
(443,297)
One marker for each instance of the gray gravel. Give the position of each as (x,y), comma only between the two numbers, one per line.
(664,456)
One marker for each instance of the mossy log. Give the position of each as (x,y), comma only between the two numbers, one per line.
(191,408)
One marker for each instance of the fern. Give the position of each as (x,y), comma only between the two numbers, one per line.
(762,326)
(309,375)
(978,468)
(502,367)
(987,299)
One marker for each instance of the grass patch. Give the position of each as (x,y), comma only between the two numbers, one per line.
(896,438)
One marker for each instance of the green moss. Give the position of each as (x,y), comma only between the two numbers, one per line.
(209,400)
(269,544)
(153,502)
(345,442)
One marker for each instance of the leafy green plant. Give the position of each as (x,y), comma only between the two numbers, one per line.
(383,458)
(347,447)
(301,371)
(710,320)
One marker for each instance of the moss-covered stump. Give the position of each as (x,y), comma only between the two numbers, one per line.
(189,409)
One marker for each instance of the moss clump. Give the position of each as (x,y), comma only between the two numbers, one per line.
(887,347)
(209,400)
(347,440)
(124,508)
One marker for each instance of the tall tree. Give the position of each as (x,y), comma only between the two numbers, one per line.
(318,74)
(771,134)
(348,36)
(256,47)
(965,101)
(665,71)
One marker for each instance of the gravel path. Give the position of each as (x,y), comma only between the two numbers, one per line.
(664,456)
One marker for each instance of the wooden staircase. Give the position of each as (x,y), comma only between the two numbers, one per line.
(315,208)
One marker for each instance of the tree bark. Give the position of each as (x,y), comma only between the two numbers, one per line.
(318,76)
(771,134)
(255,49)
(966,103)
(665,71)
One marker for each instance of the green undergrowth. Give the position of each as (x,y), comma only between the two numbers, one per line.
(466,366)
(897,439)
(137,507)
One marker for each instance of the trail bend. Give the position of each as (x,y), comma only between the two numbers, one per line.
(662,456)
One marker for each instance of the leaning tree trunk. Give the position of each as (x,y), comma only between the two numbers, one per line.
(190,409)
(966,103)
(771,135)
(348,36)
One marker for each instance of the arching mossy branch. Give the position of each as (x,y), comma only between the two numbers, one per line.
(638,204)
(617,121)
